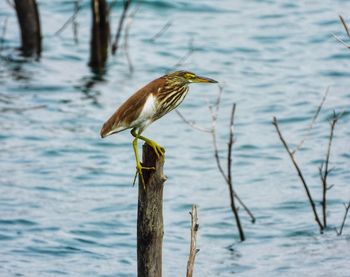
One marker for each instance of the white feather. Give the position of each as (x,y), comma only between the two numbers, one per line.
(147,113)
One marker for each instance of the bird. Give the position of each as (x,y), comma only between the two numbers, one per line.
(147,105)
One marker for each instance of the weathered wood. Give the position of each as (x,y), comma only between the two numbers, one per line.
(150,216)
(99,35)
(193,245)
(29,22)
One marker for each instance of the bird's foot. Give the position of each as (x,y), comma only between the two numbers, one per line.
(159,150)
(139,168)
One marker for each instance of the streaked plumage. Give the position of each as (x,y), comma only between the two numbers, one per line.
(162,96)
(150,103)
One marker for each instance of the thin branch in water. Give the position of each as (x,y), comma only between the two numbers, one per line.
(324,169)
(341,41)
(19,110)
(229,177)
(347,207)
(126,36)
(76,24)
(312,122)
(290,153)
(184,58)
(11,4)
(162,31)
(214,110)
(3,34)
(71,19)
(115,45)
(345,25)
(192,123)
(126,44)
(193,246)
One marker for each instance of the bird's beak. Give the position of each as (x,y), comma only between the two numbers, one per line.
(200,79)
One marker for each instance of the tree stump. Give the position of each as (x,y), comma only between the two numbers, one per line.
(150,216)
(99,35)
(29,22)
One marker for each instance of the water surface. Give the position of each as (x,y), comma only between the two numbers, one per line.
(67,206)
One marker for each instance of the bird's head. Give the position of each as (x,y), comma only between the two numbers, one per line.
(188,77)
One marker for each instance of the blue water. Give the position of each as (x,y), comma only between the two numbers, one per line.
(67,207)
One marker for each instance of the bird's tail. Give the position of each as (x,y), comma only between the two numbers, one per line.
(108,129)
(104,131)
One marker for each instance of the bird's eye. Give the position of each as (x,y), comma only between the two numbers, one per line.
(189,76)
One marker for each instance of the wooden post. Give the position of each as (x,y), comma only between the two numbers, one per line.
(99,35)
(150,216)
(29,22)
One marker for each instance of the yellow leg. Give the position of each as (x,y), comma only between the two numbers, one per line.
(139,167)
(159,150)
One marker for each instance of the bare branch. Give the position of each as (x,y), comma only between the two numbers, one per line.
(192,123)
(23,109)
(312,203)
(3,34)
(229,177)
(162,31)
(115,45)
(11,4)
(184,58)
(324,172)
(341,41)
(312,121)
(126,36)
(214,115)
(347,207)
(193,247)
(345,25)
(70,19)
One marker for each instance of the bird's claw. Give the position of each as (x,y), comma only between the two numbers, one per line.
(139,168)
(159,150)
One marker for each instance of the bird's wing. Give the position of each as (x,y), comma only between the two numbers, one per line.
(130,110)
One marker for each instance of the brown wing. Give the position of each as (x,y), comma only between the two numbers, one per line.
(130,110)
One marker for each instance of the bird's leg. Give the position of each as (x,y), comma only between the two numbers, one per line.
(139,167)
(159,150)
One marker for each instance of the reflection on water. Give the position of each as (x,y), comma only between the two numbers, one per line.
(66,200)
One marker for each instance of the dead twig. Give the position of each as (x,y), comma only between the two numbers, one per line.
(193,246)
(291,155)
(11,4)
(346,30)
(71,19)
(312,122)
(193,123)
(341,41)
(75,23)
(126,36)
(3,33)
(345,25)
(184,58)
(229,177)
(162,31)
(20,110)
(324,169)
(214,111)
(126,45)
(347,207)
(115,45)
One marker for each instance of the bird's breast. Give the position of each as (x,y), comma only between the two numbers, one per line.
(148,111)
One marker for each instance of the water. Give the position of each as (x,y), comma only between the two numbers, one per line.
(66,200)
